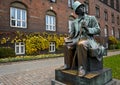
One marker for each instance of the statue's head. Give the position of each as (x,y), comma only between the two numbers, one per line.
(79,8)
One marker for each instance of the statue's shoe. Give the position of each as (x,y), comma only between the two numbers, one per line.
(81,72)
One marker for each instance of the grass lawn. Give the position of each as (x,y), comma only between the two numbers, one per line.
(113,62)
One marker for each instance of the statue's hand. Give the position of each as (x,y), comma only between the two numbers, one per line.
(66,39)
(84,26)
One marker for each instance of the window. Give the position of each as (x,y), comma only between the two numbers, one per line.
(69,23)
(97,12)
(52,47)
(118,20)
(112,3)
(119,33)
(20,48)
(105,1)
(70,3)
(18,16)
(105,15)
(106,31)
(71,18)
(112,18)
(52,0)
(50,21)
(87,7)
(113,31)
(117,5)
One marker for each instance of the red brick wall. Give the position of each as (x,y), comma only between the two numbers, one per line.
(36,10)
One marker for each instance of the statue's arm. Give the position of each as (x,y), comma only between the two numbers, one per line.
(94,28)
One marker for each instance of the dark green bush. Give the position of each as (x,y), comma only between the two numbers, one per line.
(6,52)
(118,45)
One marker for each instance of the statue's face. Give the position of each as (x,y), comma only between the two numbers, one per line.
(80,10)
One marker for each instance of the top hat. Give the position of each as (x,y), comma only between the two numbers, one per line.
(76,4)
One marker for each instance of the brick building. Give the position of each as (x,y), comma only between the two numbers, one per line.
(55,16)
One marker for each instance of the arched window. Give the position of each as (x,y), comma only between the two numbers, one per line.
(18,15)
(50,21)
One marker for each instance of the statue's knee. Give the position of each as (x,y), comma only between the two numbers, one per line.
(81,43)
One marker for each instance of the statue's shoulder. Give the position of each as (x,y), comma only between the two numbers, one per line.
(89,16)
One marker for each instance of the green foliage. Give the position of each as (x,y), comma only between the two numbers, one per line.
(118,45)
(113,62)
(6,52)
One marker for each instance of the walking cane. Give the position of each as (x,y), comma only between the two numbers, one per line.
(73,62)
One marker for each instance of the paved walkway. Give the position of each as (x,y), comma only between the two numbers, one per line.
(110,53)
(37,72)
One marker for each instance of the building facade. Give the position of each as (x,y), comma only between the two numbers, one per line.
(55,16)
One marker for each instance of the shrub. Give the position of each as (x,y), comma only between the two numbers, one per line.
(6,52)
(35,43)
(112,42)
(118,45)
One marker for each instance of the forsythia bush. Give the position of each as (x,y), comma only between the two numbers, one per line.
(35,42)
(113,43)
(113,40)
(4,40)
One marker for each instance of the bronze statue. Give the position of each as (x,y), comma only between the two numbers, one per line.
(80,44)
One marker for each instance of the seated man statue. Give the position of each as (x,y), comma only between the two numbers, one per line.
(80,39)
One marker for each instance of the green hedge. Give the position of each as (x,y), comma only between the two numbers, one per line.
(6,52)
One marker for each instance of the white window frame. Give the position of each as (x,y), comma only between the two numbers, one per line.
(105,31)
(97,12)
(86,8)
(69,25)
(50,23)
(105,15)
(70,3)
(20,45)
(18,20)
(52,47)
(112,32)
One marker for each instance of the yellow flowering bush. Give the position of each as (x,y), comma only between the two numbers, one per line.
(35,42)
(112,42)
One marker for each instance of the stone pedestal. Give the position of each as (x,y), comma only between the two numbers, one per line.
(70,77)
